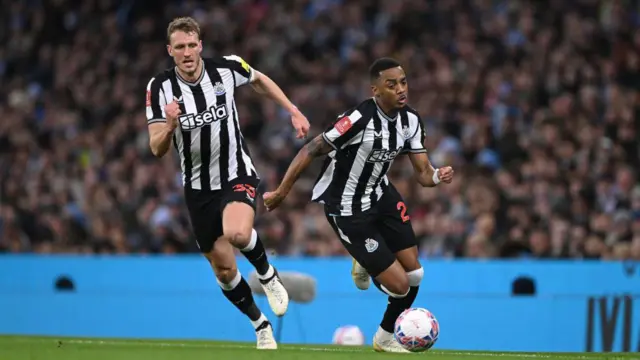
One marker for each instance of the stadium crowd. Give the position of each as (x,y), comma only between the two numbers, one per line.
(535,104)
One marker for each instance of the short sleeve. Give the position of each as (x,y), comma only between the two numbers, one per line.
(155,102)
(243,73)
(415,143)
(345,129)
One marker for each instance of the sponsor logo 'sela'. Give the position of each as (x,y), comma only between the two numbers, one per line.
(383,155)
(207,117)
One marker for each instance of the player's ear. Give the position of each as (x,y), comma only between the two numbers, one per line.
(374,90)
(170,50)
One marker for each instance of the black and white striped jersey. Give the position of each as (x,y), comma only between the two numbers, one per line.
(365,141)
(208,139)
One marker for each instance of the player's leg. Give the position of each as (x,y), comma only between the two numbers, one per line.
(237,290)
(237,224)
(359,236)
(395,227)
(207,225)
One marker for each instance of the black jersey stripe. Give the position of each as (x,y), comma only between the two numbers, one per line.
(205,138)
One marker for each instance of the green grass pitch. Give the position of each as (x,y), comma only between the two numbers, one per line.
(53,348)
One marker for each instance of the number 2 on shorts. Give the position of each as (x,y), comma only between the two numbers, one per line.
(403,211)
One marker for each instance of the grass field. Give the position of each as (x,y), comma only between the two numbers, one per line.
(50,348)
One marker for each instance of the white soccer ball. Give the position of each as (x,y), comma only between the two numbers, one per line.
(416,329)
(349,335)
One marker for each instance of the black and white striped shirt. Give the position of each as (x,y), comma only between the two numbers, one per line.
(365,141)
(208,139)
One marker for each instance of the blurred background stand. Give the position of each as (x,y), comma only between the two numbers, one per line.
(301,288)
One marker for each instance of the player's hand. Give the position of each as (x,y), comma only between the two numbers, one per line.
(300,123)
(172,111)
(445,174)
(273,199)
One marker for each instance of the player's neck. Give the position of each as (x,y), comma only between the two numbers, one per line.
(390,111)
(191,77)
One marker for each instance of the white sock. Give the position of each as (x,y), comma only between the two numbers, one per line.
(258,322)
(383,335)
(268,274)
(232,285)
(252,242)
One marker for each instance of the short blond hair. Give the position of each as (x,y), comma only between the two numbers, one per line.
(186,24)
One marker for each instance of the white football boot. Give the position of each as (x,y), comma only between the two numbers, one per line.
(266,341)
(385,342)
(360,275)
(277,295)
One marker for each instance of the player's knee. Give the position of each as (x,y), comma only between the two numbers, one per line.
(226,274)
(238,238)
(415,277)
(398,288)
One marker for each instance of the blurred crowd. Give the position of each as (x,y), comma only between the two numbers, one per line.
(535,104)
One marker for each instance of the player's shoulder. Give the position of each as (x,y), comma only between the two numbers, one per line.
(226,62)
(364,110)
(409,110)
(156,80)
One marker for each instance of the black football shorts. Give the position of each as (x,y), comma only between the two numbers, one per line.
(374,236)
(206,206)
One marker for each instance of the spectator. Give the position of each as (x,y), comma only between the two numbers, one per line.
(535,104)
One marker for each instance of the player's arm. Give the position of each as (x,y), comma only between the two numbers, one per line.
(424,172)
(313,149)
(160,124)
(343,131)
(262,84)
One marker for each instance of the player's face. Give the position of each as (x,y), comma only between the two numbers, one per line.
(391,88)
(185,48)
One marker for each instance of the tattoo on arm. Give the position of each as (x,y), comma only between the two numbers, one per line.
(318,147)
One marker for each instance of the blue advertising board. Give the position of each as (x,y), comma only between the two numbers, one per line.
(578,305)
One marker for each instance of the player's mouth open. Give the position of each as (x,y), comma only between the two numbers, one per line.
(402,99)
(188,62)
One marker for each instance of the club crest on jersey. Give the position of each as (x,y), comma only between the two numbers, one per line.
(219,89)
(343,125)
(406,132)
(371,245)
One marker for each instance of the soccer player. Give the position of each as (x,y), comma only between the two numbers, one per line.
(363,207)
(193,106)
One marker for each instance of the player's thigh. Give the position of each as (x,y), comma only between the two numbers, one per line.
(205,217)
(363,242)
(239,208)
(394,224)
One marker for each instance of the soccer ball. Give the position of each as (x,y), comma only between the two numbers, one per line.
(416,329)
(348,335)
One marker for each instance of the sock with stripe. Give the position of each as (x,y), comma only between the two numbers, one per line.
(257,256)
(239,293)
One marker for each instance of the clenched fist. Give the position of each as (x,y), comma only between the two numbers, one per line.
(445,174)
(172,111)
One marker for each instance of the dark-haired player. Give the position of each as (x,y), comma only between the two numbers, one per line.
(193,106)
(364,208)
